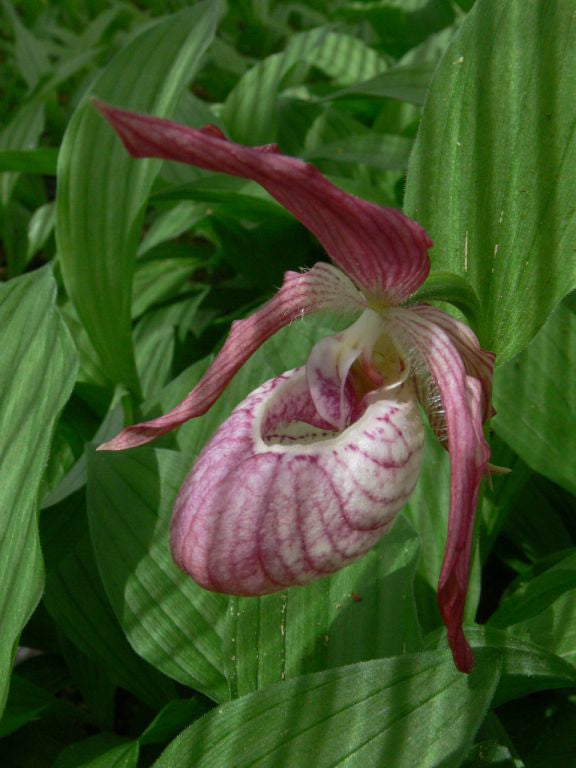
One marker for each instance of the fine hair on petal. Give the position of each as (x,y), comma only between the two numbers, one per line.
(428,395)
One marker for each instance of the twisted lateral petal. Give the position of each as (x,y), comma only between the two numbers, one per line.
(278,498)
(381,250)
(477,361)
(322,288)
(461,397)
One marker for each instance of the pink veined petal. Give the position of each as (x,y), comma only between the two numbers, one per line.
(278,498)
(330,362)
(461,397)
(380,249)
(478,362)
(327,370)
(323,287)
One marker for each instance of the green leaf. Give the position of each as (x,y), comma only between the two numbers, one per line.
(543,610)
(154,351)
(175,716)
(514,507)
(249,112)
(403,711)
(539,500)
(363,612)
(405,83)
(169,620)
(102,192)
(40,228)
(542,728)
(401,24)
(109,751)
(26,702)
(534,396)
(92,32)
(455,289)
(37,370)
(21,133)
(491,174)
(526,667)
(285,238)
(493,748)
(491,754)
(75,478)
(95,685)
(76,599)
(345,58)
(536,594)
(160,279)
(64,70)
(172,223)
(244,199)
(31,53)
(376,150)
(29,161)
(101,751)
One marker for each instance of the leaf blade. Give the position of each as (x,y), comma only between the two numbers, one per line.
(37,371)
(101,203)
(168,619)
(495,194)
(349,716)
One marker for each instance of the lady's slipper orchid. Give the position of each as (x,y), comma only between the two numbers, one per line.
(311,469)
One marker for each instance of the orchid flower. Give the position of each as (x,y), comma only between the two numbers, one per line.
(312,468)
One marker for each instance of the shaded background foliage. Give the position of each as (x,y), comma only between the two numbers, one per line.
(115,292)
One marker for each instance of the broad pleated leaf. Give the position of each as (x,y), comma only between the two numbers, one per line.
(535,397)
(29,161)
(175,716)
(365,611)
(491,177)
(154,348)
(544,610)
(168,619)
(405,83)
(37,370)
(345,58)
(28,702)
(398,712)
(526,667)
(401,24)
(160,279)
(171,224)
(101,751)
(109,751)
(21,133)
(250,112)
(30,52)
(102,193)
(382,151)
(76,599)
(40,228)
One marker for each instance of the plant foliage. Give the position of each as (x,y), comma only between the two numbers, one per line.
(119,280)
